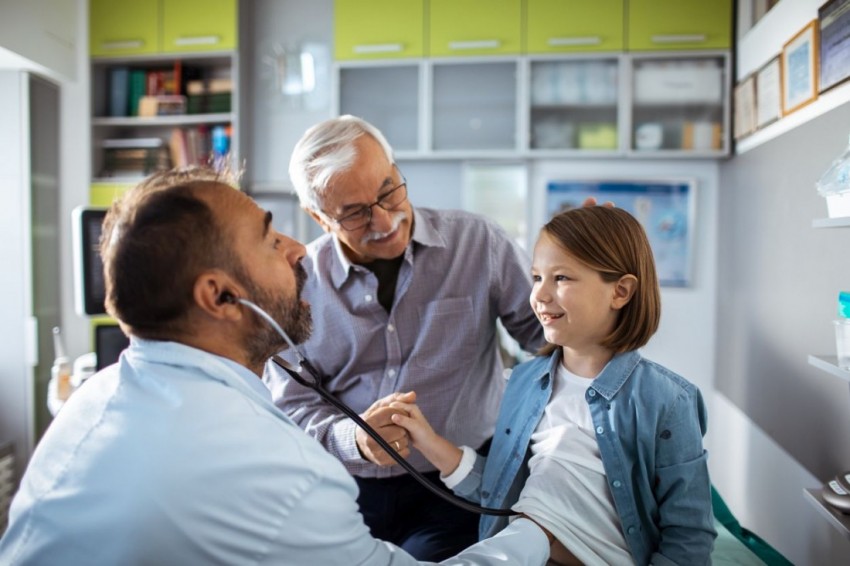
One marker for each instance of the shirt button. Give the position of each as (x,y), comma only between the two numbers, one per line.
(368,298)
(617,483)
(631,530)
(599,430)
(592,393)
(391,373)
(390,328)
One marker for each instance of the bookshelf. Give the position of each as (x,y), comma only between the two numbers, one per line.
(161,110)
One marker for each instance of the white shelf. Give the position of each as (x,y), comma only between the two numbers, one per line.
(837,519)
(176,120)
(829,364)
(831,222)
(832,98)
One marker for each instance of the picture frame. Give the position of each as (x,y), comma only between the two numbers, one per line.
(800,69)
(769,93)
(744,122)
(833,43)
(666,208)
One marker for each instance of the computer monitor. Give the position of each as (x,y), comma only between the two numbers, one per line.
(109,342)
(90,289)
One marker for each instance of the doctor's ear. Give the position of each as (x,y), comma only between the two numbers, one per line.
(215,291)
(624,290)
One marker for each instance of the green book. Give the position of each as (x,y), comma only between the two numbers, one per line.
(136,91)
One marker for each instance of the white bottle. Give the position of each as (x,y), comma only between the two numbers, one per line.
(60,373)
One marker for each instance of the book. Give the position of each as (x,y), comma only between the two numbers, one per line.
(119,97)
(136,90)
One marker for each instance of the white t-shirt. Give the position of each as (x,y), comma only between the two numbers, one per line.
(567,489)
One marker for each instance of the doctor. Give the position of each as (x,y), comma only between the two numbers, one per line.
(177,455)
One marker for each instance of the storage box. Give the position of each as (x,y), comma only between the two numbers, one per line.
(678,83)
(838,204)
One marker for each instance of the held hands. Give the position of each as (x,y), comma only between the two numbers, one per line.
(590,201)
(379,416)
(443,454)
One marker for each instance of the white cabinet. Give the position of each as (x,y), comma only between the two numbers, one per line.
(585,105)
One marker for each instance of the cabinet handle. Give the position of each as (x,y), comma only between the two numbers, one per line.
(125,44)
(683,38)
(197,40)
(377,48)
(483,44)
(569,41)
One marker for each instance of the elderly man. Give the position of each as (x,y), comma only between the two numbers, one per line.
(176,454)
(405,300)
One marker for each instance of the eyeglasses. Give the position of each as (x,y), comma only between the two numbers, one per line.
(362,216)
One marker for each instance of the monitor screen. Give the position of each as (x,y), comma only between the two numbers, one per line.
(109,342)
(88,268)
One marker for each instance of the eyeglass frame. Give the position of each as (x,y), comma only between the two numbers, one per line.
(339,221)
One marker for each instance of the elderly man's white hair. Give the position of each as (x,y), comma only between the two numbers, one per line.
(326,150)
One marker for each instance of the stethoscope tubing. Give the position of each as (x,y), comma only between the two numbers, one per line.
(350,413)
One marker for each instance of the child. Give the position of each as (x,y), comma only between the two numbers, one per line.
(602,447)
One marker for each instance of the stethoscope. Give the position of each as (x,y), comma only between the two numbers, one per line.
(316,383)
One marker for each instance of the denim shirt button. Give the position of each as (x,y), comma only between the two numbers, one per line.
(617,483)
(485,494)
(599,430)
(591,392)
(631,530)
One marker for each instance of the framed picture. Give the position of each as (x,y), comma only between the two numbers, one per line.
(800,69)
(745,108)
(768,93)
(834,41)
(665,208)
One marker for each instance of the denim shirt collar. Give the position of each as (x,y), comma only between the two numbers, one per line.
(424,233)
(609,382)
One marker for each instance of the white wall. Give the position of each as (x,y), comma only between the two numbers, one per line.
(43,33)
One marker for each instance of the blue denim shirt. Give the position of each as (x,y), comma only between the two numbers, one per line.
(649,425)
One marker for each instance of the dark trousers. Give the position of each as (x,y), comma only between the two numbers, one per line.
(401,511)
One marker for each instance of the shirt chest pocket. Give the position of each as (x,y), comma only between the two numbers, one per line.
(447,334)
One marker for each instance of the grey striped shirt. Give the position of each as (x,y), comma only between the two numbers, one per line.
(460,274)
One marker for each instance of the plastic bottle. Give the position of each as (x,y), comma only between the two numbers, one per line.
(220,147)
(60,373)
(834,185)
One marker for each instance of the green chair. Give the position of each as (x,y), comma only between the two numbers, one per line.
(754,543)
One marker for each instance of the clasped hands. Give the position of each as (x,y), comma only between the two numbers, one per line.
(379,416)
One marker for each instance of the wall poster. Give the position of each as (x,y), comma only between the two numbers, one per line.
(665,208)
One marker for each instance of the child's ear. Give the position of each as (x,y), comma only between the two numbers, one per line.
(624,290)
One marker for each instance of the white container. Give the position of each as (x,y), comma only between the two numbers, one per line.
(666,83)
(834,185)
(842,342)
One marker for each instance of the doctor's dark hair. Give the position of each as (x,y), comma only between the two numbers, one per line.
(156,240)
(324,151)
(613,243)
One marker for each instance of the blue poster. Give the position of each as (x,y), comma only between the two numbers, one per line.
(664,209)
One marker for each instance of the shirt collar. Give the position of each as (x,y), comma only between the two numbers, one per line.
(214,366)
(424,233)
(609,381)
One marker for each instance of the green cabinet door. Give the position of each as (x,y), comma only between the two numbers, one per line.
(655,25)
(474,27)
(199,25)
(568,26)
(379,29)
(123,28)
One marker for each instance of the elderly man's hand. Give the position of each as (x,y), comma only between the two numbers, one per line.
(379,417)
(590,201)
